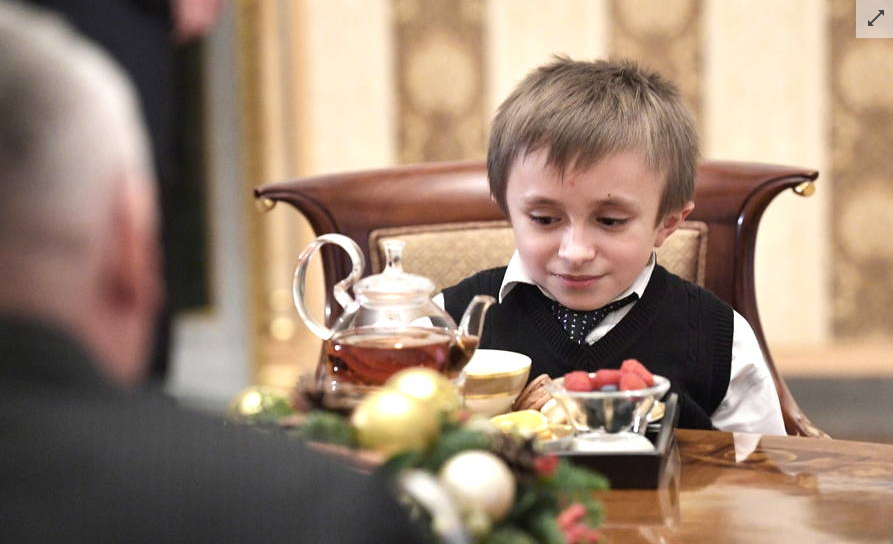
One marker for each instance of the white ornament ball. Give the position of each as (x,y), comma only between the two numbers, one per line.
(479,480)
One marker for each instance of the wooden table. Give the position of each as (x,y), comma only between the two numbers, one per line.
(731,487)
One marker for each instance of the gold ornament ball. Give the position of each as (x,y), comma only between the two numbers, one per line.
(254,400)
(389,422)
(428,386)
(480,481)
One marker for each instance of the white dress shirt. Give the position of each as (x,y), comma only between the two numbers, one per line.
(751,403)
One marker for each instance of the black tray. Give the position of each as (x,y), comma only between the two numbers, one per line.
(638,469)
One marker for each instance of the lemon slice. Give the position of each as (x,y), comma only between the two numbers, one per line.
(523,422)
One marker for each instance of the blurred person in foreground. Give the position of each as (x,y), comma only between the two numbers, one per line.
(85,456)
(146,38)
(149,40)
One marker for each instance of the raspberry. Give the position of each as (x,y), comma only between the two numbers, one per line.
(630,381)
(605,376)
(577,381)
(637,368)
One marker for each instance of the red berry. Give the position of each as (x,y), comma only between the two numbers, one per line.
(630,381)
(571,515)
(545,465)
(575,534)
(634,366)
(577,381)
(605,376)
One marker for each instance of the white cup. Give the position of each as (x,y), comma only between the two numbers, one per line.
(493,379)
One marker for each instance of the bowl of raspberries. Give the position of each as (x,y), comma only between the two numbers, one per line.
(609,400)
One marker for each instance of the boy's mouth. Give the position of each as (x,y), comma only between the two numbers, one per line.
(576,281)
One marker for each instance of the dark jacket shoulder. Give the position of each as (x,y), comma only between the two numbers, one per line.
(485,282)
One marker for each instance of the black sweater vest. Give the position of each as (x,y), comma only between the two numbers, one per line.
(677,329)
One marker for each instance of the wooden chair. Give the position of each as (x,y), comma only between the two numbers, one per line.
(452,229)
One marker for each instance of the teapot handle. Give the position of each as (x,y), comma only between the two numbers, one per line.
(341,288)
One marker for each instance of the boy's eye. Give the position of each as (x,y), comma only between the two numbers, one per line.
(543,219)
(611,221)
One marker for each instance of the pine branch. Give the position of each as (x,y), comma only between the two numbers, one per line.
(544,527)
(328,427)
(572,479)
(403,461)
(507,534)
(594,514)
(453,442)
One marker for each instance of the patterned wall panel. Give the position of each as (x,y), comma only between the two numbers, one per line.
(440,79)
(664,36)
(273,331)
(861,81)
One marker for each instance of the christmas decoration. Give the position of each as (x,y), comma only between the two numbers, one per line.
(545,465)
(258,405)
(326,427)
(573,526)
(390,422)
(543,487)
(314,392)
(550,500)
(479,481)
(428,386)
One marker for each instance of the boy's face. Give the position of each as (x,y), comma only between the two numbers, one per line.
(585,239)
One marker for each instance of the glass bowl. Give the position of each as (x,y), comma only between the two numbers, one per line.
(608,411)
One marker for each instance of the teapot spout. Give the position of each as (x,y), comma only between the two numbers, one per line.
(472,323)
(468,334)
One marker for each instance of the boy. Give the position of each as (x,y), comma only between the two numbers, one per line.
(594,164)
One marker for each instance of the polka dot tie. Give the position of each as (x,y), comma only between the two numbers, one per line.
(578,325)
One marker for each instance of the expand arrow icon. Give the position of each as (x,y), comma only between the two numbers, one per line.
(879,13)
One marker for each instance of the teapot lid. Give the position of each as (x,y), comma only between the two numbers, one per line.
(394,285)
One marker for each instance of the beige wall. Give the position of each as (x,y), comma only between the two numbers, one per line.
(765,99)
(520,35)
(349,111)
(378,82)
(318,96)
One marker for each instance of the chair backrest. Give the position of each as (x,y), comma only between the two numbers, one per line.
(452,229)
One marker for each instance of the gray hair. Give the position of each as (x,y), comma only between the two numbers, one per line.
(69,128)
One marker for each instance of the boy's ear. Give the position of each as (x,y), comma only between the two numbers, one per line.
(671,222)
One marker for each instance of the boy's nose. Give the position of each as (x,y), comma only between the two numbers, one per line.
(576,247)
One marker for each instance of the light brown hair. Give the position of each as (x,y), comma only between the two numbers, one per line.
(580,112)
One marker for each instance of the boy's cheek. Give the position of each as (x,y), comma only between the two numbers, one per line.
(526,235)
(531,241)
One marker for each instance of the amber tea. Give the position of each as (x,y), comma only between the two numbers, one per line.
(369,356)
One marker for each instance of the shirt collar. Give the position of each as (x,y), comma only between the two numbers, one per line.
(515,274)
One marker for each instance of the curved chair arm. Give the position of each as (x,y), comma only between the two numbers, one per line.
(801,182)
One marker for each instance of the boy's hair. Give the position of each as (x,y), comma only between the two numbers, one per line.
(580,112)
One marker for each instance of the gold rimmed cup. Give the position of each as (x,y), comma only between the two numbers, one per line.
(493,379)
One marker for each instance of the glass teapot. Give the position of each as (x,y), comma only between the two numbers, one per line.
(391,323)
